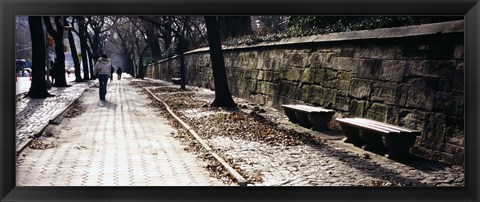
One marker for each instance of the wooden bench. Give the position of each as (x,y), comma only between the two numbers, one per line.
(176,80)
(309,116)
(392,141)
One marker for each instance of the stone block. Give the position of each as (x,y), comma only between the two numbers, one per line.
(452,149)
(345,76)
(318,94)
(393,115)
(392,70)
(357,108)
(308,76)
(292,74)
(262,87)
(342,103)
(434,130)
(361,51)
(260,63)
(296,59)
(330,75)
(368,68)
(385,52)
(330,97)
(402,94)
(253,87)
(272,89)
(360,88)
(420,98)
(258,99)
(449,103)
(377,112)
(385,92)
(347,52)
(421,92)
(253,73)
(314,60)
(285,87)
(320,75)
(306,93)
(260,76)
(344,63)
(430,68)
(343,85)
(411,118)
(331,83)
(458,140)
(275,64)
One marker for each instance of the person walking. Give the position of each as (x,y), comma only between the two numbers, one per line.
(119,73)
(111,73)
(103,69)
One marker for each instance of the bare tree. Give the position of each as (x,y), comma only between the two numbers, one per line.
(57,34)
(38,88)
(82,35)
(73,50)
(223,97)
(23,43)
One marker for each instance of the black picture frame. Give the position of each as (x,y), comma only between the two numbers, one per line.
(10,8)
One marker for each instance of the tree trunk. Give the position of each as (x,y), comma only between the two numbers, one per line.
(91,60)
(182,56)
(167,36)
(223,98)
(38,87)
(141,68)
(73,50)
(83,46)
(152,41)
(60,80)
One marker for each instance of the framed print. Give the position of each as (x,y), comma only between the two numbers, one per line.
(332,100)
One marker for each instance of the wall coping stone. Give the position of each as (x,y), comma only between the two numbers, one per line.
(381,33)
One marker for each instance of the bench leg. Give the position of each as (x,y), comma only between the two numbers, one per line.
(398,146)
(303,119)
(320,120)
(373,141)
(291,115)
(352,135)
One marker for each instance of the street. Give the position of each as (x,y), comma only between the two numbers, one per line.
(23,83)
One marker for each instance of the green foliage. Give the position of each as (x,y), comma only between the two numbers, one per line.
(308,25)
(298,26)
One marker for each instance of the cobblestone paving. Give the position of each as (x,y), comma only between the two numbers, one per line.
(113,143)
(333,163)
(33,114)
(325,165)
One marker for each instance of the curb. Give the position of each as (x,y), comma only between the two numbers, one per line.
(52,120)
(239,178)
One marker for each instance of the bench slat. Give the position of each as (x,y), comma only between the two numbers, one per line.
(307,108)
(387,125)
(363,122)
(351,122)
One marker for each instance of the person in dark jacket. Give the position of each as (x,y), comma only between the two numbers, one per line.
(119,73)
(111,73)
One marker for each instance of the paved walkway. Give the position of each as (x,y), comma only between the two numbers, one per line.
(117,142)
(33,114)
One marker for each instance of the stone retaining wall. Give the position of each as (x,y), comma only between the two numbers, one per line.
(409,76)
